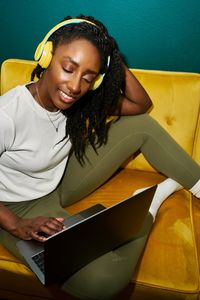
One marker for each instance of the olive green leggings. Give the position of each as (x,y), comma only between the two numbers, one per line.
(109,274)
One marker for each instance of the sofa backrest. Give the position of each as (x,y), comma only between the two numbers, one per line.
(176,99)
(175,95)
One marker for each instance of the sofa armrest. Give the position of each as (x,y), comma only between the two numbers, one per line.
(15,72)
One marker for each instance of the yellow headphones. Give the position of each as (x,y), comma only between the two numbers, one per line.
(43,53)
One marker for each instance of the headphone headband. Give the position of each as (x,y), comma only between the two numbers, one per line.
(39,51)
(43,53)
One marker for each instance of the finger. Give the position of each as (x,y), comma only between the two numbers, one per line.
(59,219)
(38,236)
(28,238)
(50,228)
(55,224)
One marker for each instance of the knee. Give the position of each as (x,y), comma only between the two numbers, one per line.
(97,285)
(143,123)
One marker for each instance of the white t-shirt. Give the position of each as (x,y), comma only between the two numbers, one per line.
(32,154)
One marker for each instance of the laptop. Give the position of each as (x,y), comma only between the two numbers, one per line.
(88,235)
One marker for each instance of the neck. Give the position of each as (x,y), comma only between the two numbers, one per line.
(38,96)
(39,100)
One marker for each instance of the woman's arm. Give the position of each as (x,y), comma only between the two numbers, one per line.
(27,229)
(7,218)
(135,100)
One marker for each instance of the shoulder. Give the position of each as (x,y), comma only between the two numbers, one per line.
(10,96)
(8,108)
(13,108)
(12,103)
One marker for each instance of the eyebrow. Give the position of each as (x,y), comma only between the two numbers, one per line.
(76,64)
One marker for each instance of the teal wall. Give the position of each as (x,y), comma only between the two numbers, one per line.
(152,34)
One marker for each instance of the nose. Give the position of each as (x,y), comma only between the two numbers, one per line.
(74,84)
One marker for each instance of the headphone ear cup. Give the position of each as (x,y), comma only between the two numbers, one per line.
(38,52)
(46,55)
(97,82)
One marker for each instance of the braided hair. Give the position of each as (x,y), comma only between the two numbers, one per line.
(87,118)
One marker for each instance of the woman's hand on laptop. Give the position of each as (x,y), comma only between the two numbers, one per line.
(38,228)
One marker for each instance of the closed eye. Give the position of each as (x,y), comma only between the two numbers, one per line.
(89,78)
(67,70)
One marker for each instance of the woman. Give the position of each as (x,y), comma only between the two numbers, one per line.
(82,80)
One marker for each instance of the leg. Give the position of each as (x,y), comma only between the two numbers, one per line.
(127,136)
(107,275)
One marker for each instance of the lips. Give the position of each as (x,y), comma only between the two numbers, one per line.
(66,98)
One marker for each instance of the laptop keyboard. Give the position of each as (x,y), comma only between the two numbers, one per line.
(39,260)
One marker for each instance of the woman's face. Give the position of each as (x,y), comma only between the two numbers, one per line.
(73,68)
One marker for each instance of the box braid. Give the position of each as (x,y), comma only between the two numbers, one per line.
(87,118)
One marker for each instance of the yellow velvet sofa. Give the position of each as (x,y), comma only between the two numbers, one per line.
(169,266)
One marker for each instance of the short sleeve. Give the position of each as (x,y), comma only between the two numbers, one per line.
(7,132)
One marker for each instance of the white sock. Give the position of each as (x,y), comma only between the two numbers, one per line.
(195,190)
(163,191)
